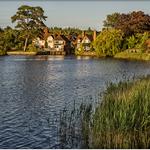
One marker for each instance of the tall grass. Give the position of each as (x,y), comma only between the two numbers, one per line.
(73,131)
(122,120)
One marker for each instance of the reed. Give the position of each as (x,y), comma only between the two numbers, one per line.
(122,119)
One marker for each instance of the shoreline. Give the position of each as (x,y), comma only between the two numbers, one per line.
(132,56)
(122,55)
(21,53)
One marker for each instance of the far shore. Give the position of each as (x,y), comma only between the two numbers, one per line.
(122,55)
(133,55)
(21,53)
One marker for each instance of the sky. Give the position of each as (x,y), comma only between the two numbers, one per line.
(67,13)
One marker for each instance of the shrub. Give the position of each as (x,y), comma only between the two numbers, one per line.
(2,52)
(32,48)
(80,50)
(137,41)
(142,39)
(132,41)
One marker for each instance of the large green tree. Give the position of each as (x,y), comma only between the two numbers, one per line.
(30,21)
(111,20)
(108,42)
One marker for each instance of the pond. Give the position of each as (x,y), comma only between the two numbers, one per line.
(34,89)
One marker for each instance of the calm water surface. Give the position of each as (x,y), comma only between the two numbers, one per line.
(33,90)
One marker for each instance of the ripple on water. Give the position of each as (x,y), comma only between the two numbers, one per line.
(33,90)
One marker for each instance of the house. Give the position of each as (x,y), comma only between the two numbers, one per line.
(38,42)
(51,42)
(85,41)
(59,43)
(62,43)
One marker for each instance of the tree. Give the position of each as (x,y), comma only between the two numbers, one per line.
(89,31)
(108,42)
(134,22)
(1,30)
(111,20)
(130,23)
(29,21)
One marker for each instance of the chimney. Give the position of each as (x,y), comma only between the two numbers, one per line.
(83,34)
(46,32)
(94,35)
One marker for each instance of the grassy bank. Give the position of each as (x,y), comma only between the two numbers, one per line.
(129,55)
(122,120)
(90,54)
(21,53)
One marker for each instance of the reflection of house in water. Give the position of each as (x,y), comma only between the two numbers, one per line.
(85,41)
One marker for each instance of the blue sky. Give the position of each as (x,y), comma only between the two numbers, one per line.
(82,14)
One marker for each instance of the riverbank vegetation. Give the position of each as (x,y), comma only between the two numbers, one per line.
(133,54)
(134,26)
(121,32)
(108,42)
(120,120)
(2,52)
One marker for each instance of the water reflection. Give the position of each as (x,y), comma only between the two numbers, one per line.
(34,89)
(83,57)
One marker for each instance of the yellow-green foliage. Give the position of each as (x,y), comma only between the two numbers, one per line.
(128,55)
(80,50)
(108,42)
(122,120)
(2,52)
(137,41)
(32,48)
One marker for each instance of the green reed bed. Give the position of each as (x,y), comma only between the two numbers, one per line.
(122,119)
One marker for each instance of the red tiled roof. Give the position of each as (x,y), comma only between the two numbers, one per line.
(62,37)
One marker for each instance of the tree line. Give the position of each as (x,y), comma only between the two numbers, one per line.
(120,31)
(123,31)
(30,22)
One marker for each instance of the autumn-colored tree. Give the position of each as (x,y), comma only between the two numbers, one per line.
(130,23)
(134,22)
